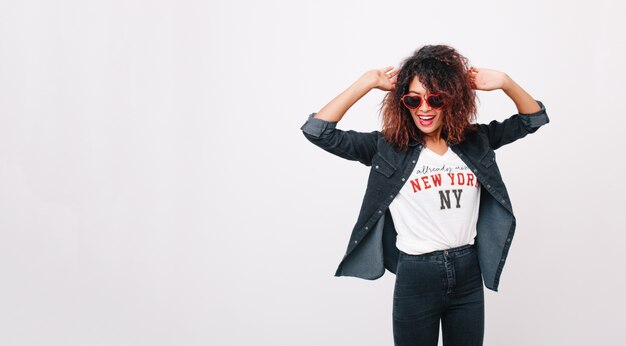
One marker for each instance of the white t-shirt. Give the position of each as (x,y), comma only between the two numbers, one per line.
(437,208)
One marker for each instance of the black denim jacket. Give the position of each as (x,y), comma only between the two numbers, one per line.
(372,246)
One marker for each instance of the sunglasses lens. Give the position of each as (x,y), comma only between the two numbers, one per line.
(435,101)
(412,101)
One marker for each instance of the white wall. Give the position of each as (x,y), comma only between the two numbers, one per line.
(155,187)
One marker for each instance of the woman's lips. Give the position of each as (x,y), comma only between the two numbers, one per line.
(426,120)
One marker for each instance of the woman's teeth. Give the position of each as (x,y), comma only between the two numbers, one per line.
(426,120)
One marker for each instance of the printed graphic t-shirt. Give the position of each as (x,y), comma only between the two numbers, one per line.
(437,208)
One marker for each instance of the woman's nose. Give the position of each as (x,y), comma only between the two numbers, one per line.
(424,107)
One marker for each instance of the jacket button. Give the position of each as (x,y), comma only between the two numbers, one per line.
(356,241)
(488,185)
(503,200)
(366,227)
(380,212)
(402,179)
(390,196)
(474,169)
(508,239)
(376,166)
(413,161)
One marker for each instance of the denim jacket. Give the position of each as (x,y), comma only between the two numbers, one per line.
(372,245)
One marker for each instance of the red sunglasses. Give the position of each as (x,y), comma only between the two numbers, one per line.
(412,101)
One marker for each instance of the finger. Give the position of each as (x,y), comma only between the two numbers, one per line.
(388,68)
(391,72)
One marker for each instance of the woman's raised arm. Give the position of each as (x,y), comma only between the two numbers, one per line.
(321,129)
(486,79)
(383,79)
(531,113)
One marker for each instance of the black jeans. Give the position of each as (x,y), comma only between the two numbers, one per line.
(442,285)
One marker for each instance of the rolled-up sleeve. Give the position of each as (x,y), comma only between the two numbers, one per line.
(537,119)
(315,127)
(350,145)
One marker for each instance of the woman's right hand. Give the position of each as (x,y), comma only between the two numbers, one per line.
(384,79)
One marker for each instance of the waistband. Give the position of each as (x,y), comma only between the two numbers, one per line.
(441,254)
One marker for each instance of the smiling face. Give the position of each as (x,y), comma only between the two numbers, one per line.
(428,120)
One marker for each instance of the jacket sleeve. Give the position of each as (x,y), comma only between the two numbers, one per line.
(514,128)
(350,145)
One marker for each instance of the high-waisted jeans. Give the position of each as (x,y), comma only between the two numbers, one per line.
(442,285)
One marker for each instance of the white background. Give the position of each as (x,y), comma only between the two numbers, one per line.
(155,187)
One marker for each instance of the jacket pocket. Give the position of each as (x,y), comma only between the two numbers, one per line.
(489,159)
(382,166)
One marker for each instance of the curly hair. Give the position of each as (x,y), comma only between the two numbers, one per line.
(441,69)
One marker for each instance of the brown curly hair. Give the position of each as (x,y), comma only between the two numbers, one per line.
(441,69)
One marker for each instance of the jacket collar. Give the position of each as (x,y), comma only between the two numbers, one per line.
(413,142)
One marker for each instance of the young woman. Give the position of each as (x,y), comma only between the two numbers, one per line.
(436,211)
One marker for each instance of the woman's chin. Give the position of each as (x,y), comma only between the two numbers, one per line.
(429,128)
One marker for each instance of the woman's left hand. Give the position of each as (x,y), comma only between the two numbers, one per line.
(486,79)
